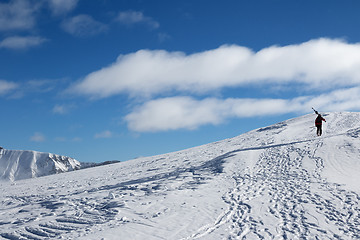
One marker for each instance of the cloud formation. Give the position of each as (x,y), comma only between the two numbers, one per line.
(83,26)
(37,137)
(329,66)
(40,86)
(17,42)
(62,109)
(131,18)
(317,64)
(188,113)
(6,87)
(18,15)
(104,134)
(59,7)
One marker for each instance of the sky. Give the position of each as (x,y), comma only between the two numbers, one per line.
(108,80)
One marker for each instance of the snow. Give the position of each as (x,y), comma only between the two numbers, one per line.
(19,164)
(276,182)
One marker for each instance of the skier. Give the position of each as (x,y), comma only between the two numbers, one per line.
(318,123)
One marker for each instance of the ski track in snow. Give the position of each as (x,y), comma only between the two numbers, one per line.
(254,186)
(78,211)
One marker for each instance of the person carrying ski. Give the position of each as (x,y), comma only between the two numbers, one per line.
(318,124)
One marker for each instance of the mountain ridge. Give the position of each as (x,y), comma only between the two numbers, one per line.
(23,164)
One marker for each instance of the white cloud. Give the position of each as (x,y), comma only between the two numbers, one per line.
(62,109)
(59,7)
(83,26)
(6,87)
(59,109)
(41,85)
(34,87)
(188,113)
(18,15)
(339,100)
(18,42)
(104,134)
(37,137)
(321,63)
(130,18)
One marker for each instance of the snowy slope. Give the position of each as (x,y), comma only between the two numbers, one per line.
(277,182)
(19,164)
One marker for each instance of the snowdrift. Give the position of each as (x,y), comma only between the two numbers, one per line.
(18,164)
(276,182)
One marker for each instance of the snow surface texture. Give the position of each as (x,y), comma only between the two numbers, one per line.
(277,182)
(18,164)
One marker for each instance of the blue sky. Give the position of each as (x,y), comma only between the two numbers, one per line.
(114,80)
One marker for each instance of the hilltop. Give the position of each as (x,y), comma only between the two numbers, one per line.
(276,182)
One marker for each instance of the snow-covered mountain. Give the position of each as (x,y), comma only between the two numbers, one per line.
(19,164)
(276,182)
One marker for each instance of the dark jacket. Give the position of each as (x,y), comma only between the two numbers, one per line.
(318,120)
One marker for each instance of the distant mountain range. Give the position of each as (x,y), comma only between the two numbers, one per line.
(20,164)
